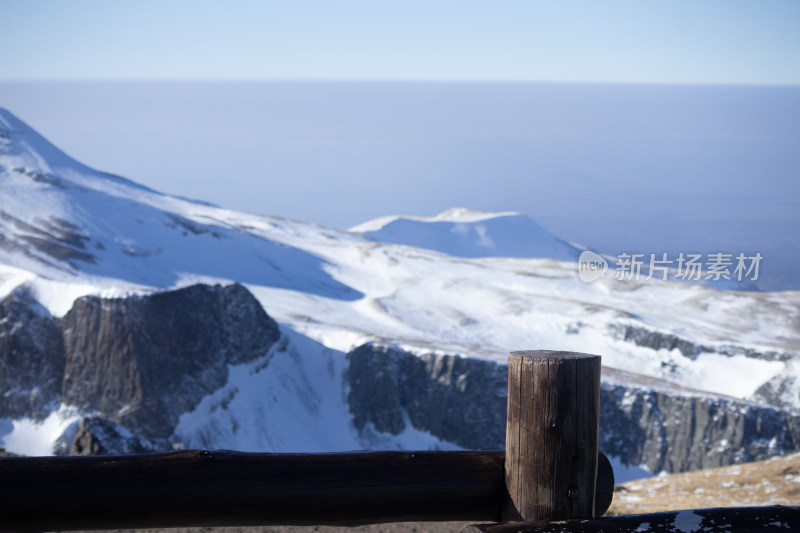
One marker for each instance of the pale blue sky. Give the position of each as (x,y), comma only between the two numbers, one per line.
(676,41)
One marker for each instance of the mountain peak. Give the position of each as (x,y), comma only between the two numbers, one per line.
(464,232)
(464,214)
(28,149)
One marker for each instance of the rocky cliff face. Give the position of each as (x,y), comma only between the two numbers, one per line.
(464,401)
(143,361)
(460,400)
(675,432)
(139,361)
(32,358)
(659,340)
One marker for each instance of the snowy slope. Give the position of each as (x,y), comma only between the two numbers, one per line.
(466,233)
(464,282)
(60,218)
(297,388)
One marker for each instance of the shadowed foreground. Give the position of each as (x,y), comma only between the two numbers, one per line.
(772,482)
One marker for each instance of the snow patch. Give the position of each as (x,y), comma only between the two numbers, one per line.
(624,473)
(36,438)
(688,522)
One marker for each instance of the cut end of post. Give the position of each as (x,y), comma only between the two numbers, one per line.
(552,435)
(550,355)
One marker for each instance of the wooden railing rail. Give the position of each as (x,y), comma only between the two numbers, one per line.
(201,488)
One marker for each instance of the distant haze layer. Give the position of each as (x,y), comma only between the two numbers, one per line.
(616,168)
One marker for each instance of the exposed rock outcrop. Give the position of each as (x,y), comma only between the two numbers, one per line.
(459,400)
(139,361)
(98,436)
(32,358)
(782,390)
(677,432)
(464,401)
(142,361)
(657,340)
(660,340)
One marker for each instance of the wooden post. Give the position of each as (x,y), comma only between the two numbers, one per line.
(551,436)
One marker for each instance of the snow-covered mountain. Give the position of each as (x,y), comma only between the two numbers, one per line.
(467,233)
(463,283)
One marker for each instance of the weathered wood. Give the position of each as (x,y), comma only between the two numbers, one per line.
(718,520)
(200,488)
(552,435)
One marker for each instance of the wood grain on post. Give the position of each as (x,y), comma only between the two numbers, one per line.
(551,436)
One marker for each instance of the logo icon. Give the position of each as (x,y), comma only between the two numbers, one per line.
(591,266)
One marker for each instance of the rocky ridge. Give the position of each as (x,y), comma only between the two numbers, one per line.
(463,400)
